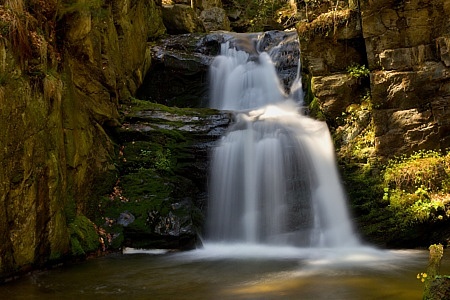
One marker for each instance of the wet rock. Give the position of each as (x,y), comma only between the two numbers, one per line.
(164,167)
(125,219)
(179,76)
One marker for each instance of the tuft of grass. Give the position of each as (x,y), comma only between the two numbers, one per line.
(426,168)
(325,23)
(14,16)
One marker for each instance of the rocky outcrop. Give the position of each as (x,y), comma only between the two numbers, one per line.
(404,45)
(163,162)
(179,75)
(378,73)
(60,87)
(194,16)
(407,52)
(181,18)
(215,18)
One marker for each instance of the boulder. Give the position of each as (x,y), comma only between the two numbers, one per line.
(404,131)
(335,92)
(215,18)
(180,18)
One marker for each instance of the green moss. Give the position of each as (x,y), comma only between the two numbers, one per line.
(83,236)
(135,105)
(401,202)
(143,192)
(315,110)
(70,210)
(326,23)
(152,187)
(416,187)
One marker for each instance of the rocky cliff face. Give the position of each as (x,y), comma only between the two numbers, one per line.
(404,45)
(64,67)
(407,44)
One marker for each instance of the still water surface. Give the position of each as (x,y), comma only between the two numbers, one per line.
(233,272)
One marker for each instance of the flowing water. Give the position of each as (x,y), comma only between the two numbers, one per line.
(273,176)
(278,226)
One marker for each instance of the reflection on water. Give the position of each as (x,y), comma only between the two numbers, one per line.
(233,272)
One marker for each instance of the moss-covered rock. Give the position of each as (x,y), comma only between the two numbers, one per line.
(64,67)
(162,184)
(83,236)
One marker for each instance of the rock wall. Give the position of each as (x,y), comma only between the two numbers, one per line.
(64,66)
(407,50)
(405,46)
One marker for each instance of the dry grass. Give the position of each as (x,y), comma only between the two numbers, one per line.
(17,24)
(428,169)
(30,28)
(325,23)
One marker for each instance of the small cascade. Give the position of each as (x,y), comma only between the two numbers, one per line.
(273,175)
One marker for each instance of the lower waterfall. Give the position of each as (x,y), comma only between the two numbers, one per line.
(273,176)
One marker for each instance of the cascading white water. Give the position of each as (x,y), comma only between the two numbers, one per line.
(273,175)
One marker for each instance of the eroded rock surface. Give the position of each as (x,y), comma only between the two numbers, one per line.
(407,51)
(404,46)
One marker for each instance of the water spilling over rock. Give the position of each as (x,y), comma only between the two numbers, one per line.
(273,175)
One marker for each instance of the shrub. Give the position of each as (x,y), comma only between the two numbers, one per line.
(416,187)
(358,71)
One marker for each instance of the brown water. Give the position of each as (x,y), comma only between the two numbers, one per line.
(230,273)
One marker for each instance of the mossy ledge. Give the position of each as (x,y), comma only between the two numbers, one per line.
(158,199)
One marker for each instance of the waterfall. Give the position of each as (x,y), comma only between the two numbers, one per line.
(273,176)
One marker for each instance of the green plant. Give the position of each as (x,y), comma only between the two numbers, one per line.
(358,71)
(163,160)
(426,168)
(414,187)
